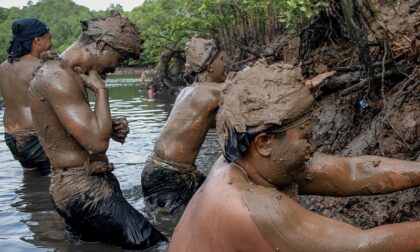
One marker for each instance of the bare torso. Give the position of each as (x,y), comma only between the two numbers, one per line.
(229,214)
(48,113)
(193,114)
(216,219)
(14,83)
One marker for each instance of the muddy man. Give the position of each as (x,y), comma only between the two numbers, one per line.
(31,37)
(170,178)
(83,188)
(247,202)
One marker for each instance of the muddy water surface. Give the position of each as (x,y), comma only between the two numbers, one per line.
(28,221)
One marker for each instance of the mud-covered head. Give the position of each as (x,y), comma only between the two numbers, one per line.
(261,98)
(199,54)
(115,31)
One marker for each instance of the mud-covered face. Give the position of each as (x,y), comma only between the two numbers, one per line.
(109,59)
(217,68)
(289,152)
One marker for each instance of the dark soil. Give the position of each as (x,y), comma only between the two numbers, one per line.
(379,117)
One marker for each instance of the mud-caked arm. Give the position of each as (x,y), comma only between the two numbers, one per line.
(363,175)
(287,226)
(91,129)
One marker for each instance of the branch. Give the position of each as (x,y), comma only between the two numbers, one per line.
(246,49)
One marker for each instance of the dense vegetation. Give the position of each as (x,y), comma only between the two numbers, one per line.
(168,24)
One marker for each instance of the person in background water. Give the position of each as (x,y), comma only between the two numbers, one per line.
(247,203)
(170,178)
(31,37)
(83,188)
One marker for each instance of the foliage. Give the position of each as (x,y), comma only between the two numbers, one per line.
(168,24)
(63,17)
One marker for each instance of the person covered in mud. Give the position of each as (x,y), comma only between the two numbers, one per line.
(247,202)
(83,188)
(170,178)
(31,37)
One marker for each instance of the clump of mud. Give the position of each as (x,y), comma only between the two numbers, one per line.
(264,95)
(117,32)
(372,106)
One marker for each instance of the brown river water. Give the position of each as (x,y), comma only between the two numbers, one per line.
(28,221)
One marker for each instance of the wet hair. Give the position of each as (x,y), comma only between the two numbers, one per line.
(238,143)
(115,31)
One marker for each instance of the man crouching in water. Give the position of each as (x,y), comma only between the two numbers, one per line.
(83,189)
(246,204)
(31,37)
(170,178)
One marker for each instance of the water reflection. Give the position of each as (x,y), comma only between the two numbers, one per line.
(28,221)
(45,224)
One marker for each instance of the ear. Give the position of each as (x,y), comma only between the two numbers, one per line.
(210,68)
(262,144)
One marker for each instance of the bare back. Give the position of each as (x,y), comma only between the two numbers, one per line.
(14,84)
(193,114)
(52,94)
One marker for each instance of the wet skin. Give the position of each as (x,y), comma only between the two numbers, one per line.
(330,175)
(249,209)
(70,132)
(14,84)
(192,116)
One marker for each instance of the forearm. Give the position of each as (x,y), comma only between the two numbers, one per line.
(331,235)
(103,114)
(393,237)
(365,175)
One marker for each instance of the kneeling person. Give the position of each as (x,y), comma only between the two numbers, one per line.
(83,189)
(246,203)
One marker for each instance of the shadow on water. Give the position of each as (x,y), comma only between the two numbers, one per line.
(28,221)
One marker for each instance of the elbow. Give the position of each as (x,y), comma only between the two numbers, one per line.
(97,146)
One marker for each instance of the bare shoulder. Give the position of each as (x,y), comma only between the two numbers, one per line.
(51,77)
(264,202)
(222,194)
(207,92)
(5,67)
(4,64)
(210,88)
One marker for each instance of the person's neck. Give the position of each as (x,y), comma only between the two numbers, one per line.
(35,54)
(210,78)
(76,56)
(252,174)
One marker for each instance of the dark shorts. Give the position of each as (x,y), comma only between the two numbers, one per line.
(169,186)
(95,209)
(26,148)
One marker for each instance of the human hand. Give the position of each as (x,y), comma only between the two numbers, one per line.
(120,129)
(317,80)
(93,81)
